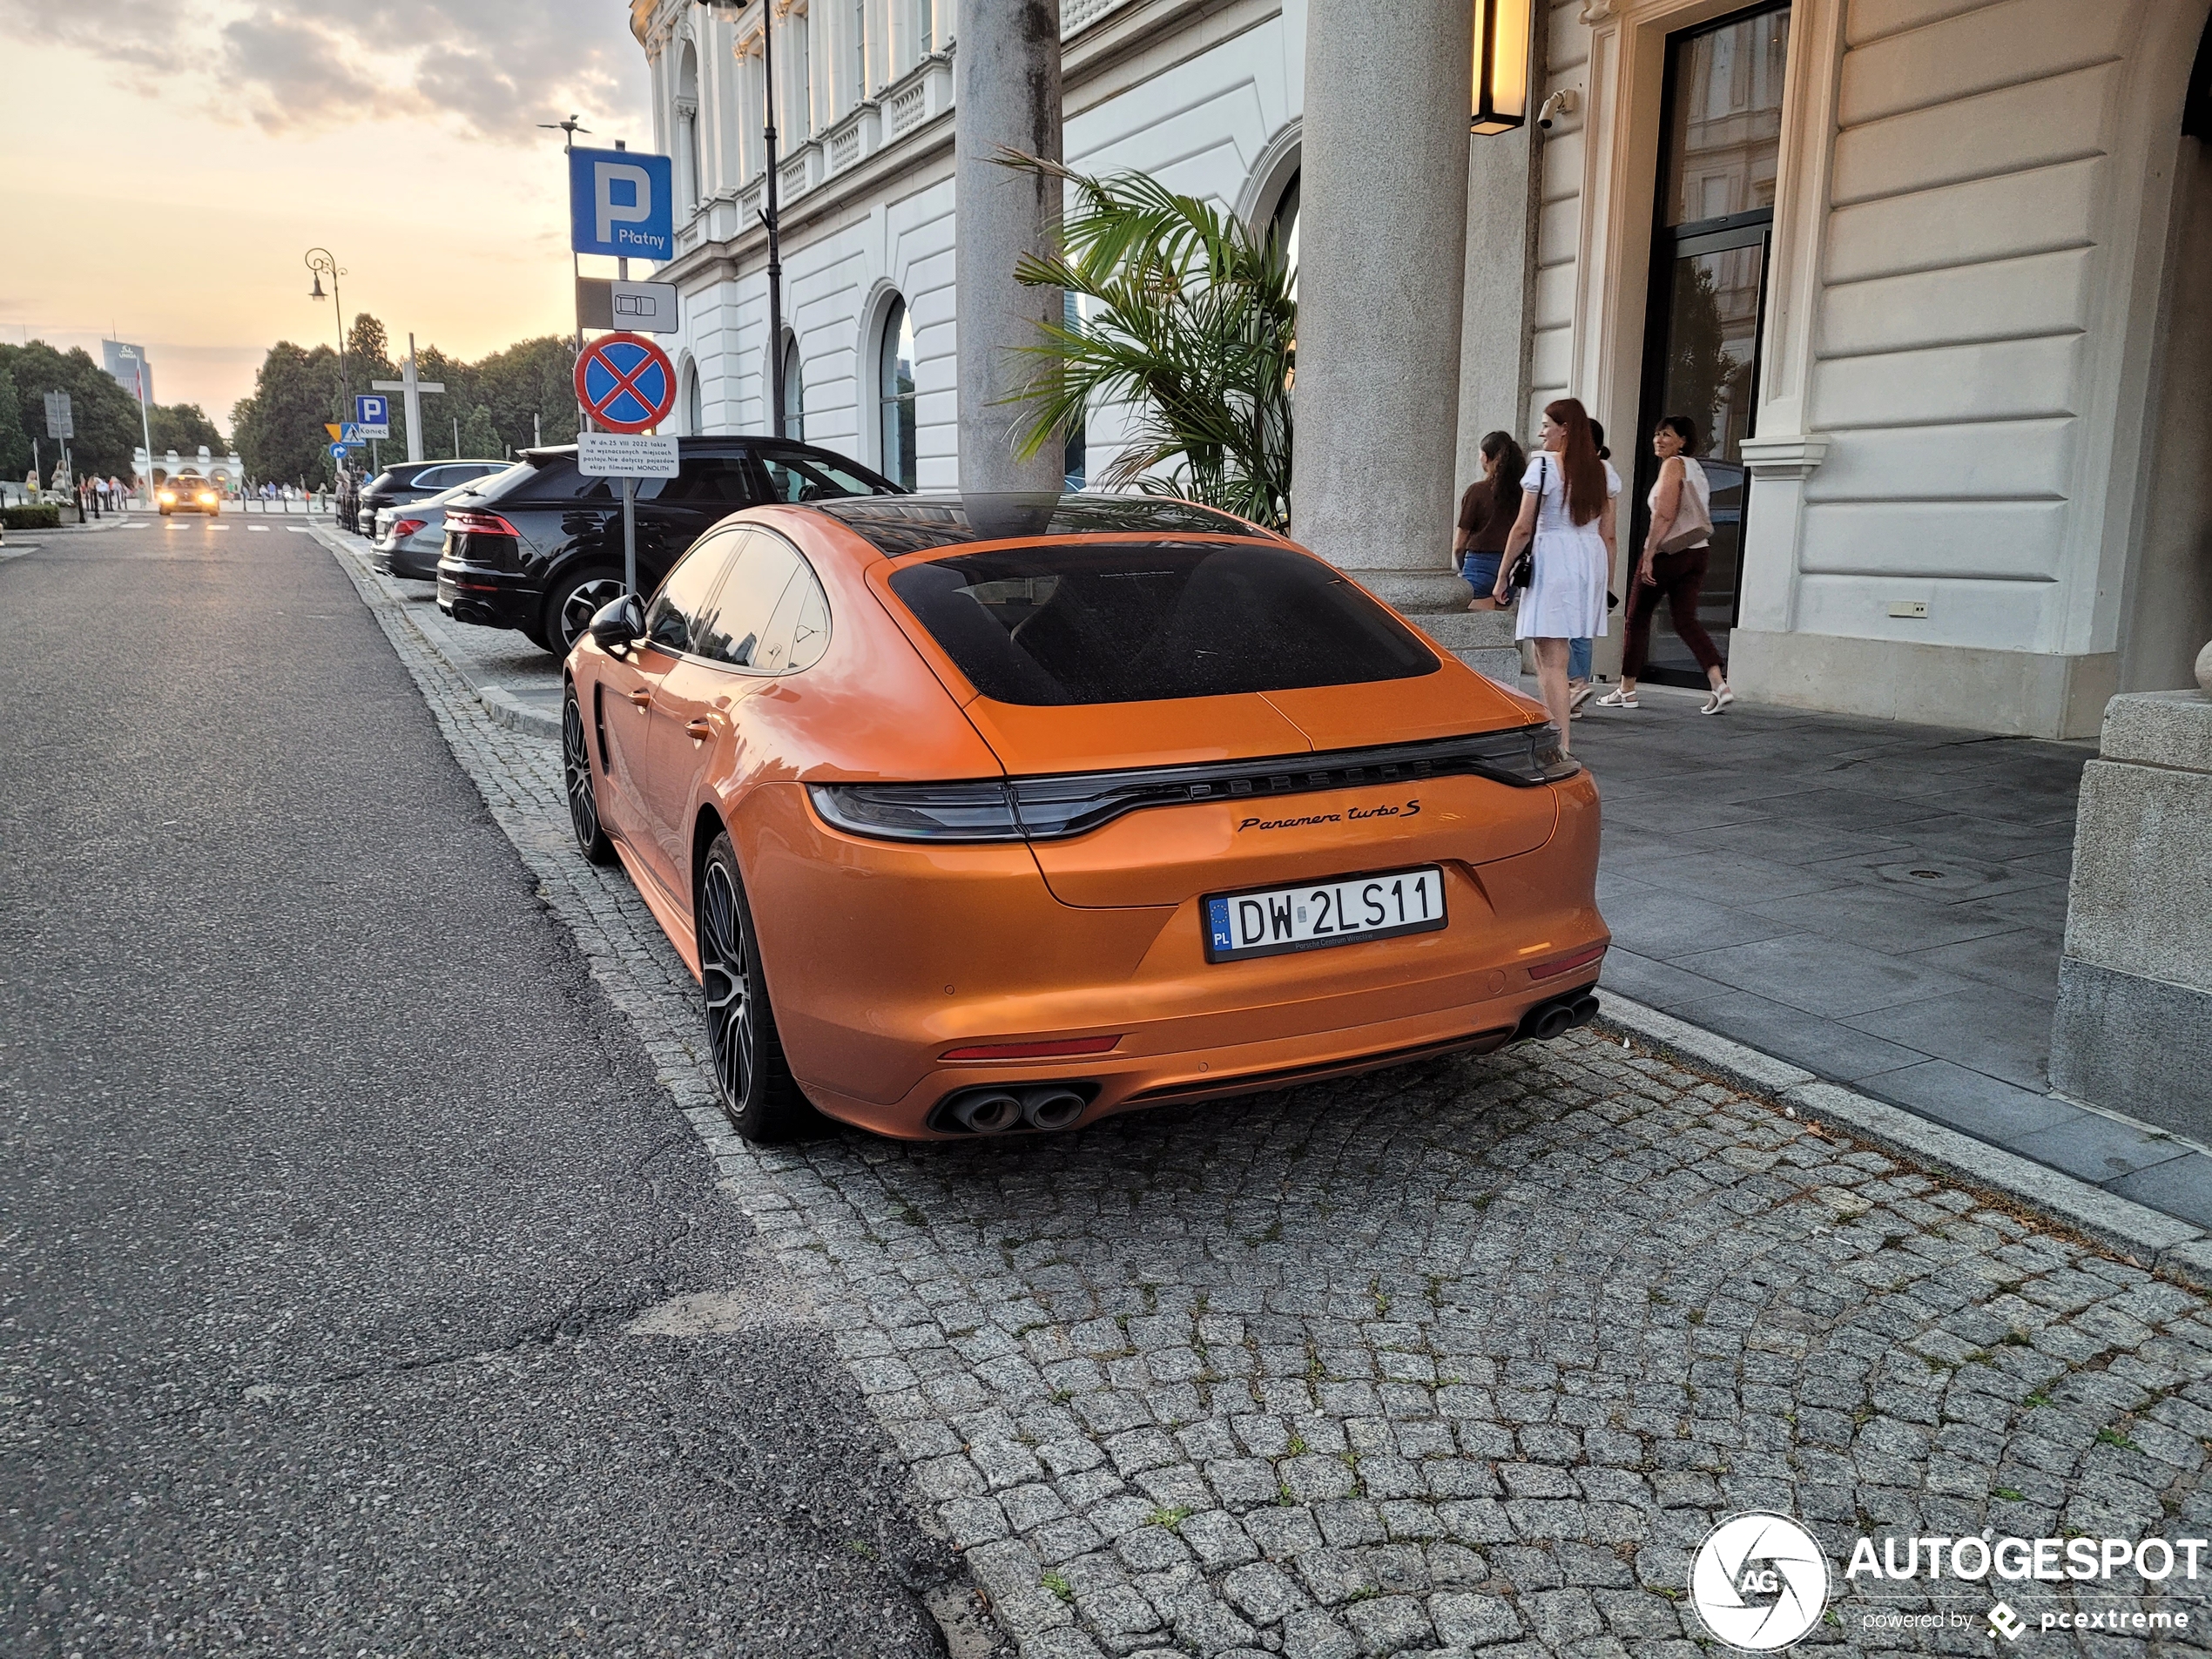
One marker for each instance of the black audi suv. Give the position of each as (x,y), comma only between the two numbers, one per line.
(539,547)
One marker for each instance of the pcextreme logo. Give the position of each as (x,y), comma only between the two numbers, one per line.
(1759,1581)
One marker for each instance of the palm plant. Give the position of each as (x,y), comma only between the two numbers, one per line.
(1192,326)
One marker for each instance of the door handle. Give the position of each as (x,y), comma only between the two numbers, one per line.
(640,698)
(699,728)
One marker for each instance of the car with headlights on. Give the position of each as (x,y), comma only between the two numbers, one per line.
(995,815)
(187,493)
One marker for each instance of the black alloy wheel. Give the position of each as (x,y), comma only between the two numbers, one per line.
(754,1083)
(583,801)
(573,603)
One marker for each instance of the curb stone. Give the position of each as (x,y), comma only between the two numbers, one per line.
(2150,1237)
(511,712)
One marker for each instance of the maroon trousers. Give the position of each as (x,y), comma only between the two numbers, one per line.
(1680,576)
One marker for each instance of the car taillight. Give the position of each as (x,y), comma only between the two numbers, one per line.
(960,812)
(406,527)
(1559,965)
(481,524)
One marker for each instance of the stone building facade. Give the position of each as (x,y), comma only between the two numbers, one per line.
(1934,275)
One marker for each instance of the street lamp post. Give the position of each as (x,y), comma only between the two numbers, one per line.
(568,130)
(320,262)
(768,216)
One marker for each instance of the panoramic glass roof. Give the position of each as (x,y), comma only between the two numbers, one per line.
(899,524)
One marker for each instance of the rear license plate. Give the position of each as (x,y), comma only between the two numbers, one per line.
(1344,910)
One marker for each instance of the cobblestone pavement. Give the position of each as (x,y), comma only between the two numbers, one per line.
(1467,1355)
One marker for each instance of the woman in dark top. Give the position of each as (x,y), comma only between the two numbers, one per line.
(1486,519)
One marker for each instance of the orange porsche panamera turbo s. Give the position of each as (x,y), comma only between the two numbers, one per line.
(994,814)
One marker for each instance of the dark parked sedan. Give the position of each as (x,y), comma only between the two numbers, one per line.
(413,480)
(539,549)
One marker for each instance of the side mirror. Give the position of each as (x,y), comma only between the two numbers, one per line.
(619,625)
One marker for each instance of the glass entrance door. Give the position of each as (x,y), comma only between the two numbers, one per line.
(1707,311)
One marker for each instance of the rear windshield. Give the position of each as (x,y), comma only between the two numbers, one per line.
(1094,622)
(553,479)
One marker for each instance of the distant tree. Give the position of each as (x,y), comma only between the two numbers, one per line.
(529,386)
(105,416)
(279,430)
(479,437)
(14,443)
(502,401)
(184,428)
(369,354)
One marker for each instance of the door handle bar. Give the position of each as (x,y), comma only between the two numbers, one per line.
(700,728)
(640,698)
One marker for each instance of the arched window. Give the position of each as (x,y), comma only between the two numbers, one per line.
(687,118)
(794,389)
(1284,223)
(1075,458)
(895,387)
(694,403)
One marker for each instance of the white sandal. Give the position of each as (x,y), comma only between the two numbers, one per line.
(1718,700)
(1619,700)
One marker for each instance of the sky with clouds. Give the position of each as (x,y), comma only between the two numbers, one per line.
(178,159)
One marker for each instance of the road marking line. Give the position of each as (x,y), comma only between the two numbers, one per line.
(259,530)
(299,529)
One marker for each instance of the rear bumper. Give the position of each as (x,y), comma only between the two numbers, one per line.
(413,563)
(1227,1071)
(882,957)
(489,598)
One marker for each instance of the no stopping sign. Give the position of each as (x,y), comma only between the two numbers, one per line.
(626,382)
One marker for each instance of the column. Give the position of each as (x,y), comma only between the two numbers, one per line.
(1006,96)
(1382,230)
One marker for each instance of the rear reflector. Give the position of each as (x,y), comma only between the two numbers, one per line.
(1031,1050)
(1559,965)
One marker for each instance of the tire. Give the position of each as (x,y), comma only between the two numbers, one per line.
(583,787)
(751,1078)
(571,603)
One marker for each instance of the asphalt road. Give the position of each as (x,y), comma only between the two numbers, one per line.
(360,1289)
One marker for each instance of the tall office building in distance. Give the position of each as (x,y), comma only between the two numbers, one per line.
(125,370)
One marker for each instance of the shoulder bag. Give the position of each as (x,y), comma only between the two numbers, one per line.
(1524,568)
(1693,517)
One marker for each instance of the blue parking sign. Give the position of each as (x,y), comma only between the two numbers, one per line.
(372,408)
(621,203)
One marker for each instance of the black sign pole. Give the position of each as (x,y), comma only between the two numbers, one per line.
(629,535)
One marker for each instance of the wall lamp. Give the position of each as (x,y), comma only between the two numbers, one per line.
(1501,33)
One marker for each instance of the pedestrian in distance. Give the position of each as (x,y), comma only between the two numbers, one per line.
(1672,566)
(1486,510)
(1566,525)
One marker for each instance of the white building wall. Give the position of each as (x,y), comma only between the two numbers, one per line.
(1972,226)
(1969,258)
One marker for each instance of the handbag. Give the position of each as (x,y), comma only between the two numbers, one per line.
(1524,568)
(1694,532)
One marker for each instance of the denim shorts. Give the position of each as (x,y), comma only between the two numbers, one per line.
(1480,569)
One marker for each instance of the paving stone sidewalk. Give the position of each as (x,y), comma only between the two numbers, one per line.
(1468,1355)
(1880,903)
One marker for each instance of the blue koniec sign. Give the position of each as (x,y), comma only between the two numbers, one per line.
(621,203)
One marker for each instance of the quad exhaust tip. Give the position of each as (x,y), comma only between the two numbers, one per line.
(1559,1017)
(994,1111)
